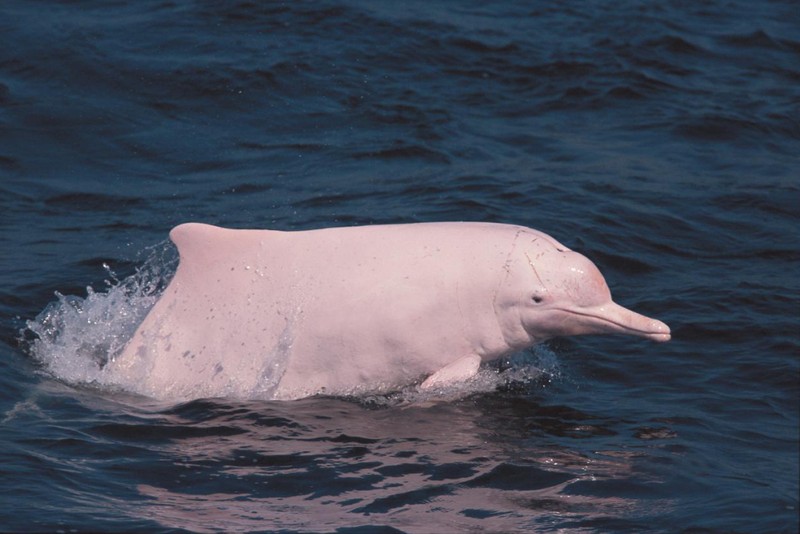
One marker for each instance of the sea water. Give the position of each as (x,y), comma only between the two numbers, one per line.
(660,140)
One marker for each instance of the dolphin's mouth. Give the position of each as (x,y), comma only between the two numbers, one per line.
(613,318)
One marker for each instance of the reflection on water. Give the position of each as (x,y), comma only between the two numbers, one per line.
(323,463)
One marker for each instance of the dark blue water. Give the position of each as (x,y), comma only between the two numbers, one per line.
(659,139)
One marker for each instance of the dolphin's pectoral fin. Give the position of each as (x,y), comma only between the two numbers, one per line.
(458,371)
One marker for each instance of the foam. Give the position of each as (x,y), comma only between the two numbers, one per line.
(523,370)
(74,337)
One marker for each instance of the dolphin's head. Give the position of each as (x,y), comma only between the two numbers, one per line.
(552,291)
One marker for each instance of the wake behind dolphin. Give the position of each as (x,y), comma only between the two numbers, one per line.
(359,310)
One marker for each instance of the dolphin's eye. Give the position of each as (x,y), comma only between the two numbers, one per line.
(537,299)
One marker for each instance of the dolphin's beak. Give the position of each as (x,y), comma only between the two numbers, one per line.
(611,318)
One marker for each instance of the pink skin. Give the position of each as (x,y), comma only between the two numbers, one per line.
(285,315)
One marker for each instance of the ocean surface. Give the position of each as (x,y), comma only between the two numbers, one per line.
(660,139)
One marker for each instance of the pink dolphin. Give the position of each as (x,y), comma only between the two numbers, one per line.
(340,311)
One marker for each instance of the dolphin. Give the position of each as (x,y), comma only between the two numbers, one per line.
(356,310)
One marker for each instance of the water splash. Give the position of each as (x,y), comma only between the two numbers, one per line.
(532,368)
(74,337)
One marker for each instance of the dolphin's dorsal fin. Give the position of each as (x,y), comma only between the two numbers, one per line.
(197,241)
(203,244)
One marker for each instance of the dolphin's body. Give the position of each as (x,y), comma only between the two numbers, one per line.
(341,311)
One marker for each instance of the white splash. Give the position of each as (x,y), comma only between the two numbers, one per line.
(536,366)
(74,337)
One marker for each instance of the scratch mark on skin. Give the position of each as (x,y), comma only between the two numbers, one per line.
(506,266)
(502,281)
(535,272)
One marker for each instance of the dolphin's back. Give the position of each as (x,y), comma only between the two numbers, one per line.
(288,314)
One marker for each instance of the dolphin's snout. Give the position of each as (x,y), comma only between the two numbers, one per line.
(611,318)
(660,331)
(639,325)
